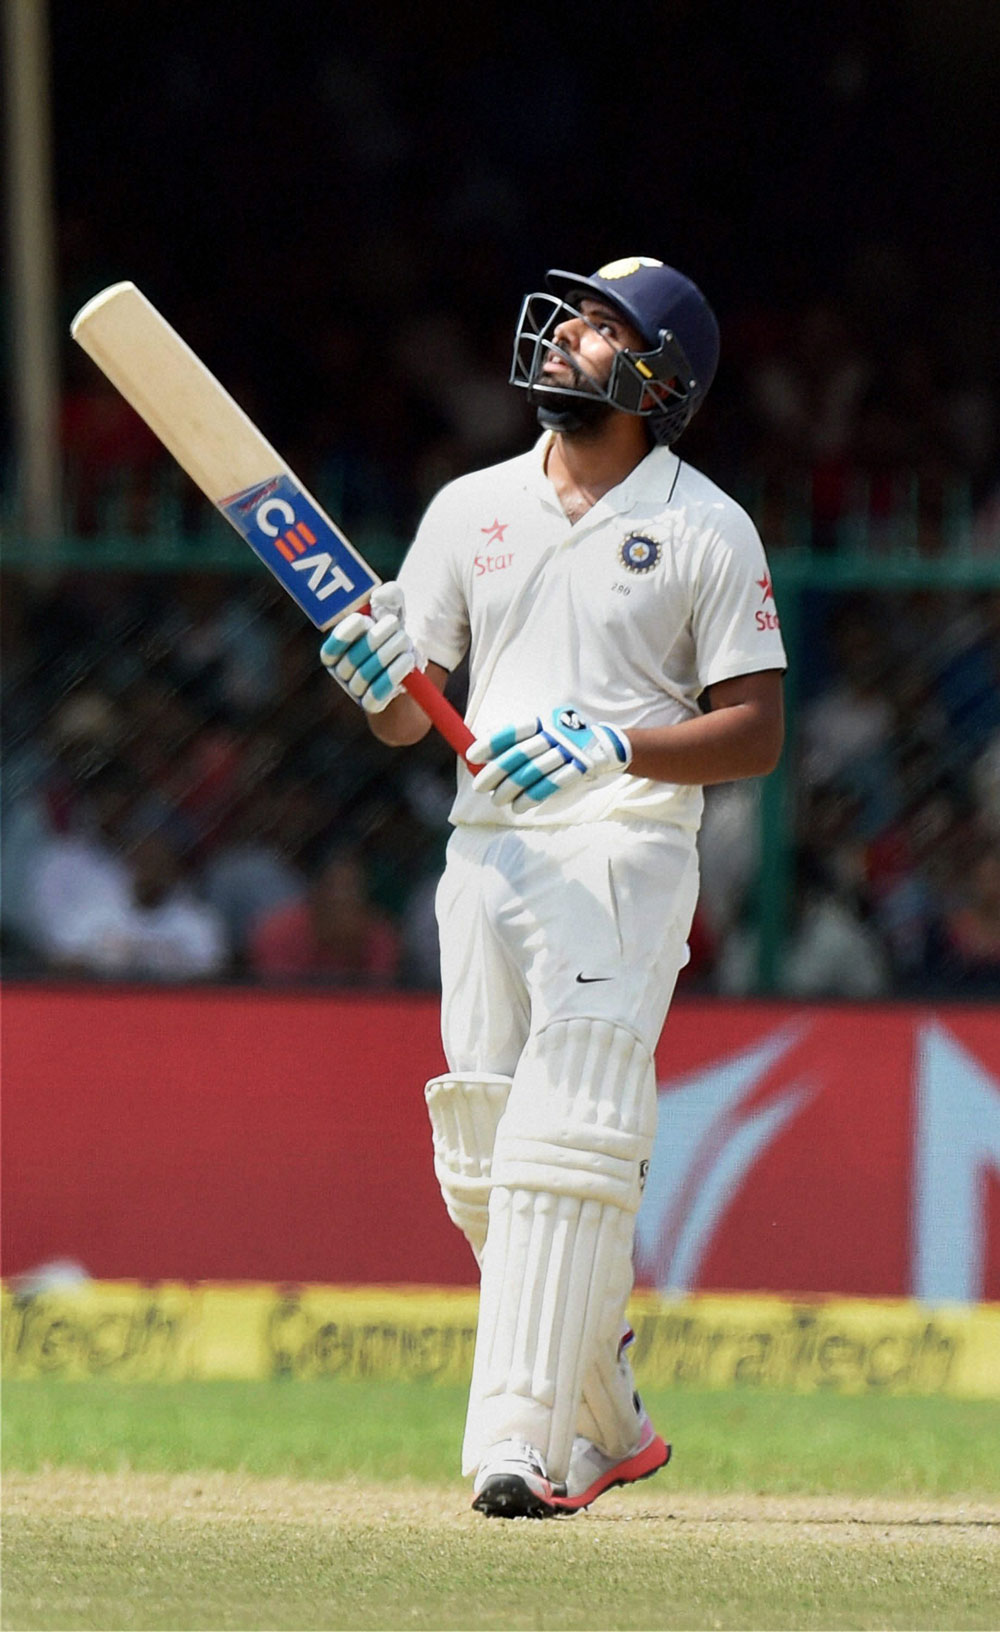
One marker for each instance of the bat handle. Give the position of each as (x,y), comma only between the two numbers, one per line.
(440,712)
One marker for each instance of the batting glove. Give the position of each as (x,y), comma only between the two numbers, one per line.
(371,655)
(525,764)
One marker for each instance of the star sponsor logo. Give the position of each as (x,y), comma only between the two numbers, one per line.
(765,617)
(486,561)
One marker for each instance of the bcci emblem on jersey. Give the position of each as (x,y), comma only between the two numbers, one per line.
(639,553)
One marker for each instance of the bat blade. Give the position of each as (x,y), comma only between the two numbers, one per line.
(234,465)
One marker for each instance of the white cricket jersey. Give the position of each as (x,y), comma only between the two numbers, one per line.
(659,591)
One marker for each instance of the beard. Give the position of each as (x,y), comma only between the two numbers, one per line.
(578,381)
(574,407)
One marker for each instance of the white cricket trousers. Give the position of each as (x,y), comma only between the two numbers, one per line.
(560,949)
(552,923)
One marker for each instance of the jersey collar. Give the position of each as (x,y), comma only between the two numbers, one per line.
(653,478)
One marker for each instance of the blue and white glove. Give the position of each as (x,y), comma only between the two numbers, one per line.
(370,656)
(524,764)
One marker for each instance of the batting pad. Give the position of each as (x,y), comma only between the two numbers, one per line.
(608,1415)
(567,1174)
(465,1113)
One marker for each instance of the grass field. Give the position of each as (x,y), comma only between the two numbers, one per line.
(337,1505)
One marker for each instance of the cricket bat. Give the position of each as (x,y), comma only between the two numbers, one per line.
(236,467)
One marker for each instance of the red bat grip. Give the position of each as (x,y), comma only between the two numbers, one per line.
(439,711)
(436,706)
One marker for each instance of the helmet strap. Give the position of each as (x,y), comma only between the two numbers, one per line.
(574,416)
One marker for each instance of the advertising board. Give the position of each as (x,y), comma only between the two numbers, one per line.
(240,1134)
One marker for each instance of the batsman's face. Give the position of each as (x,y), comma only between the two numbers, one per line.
(590,339)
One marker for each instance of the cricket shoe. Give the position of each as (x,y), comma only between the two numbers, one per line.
(591,1472)
(512,1483)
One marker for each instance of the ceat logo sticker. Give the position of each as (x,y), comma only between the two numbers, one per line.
(299,543)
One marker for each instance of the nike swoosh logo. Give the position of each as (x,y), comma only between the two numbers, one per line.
(588,980)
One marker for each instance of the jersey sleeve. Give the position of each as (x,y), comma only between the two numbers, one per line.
(437,617)
(735,620)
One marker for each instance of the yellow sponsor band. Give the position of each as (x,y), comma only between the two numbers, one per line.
(172,1331)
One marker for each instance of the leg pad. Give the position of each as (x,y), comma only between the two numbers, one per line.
(567,1174)
(465,1113)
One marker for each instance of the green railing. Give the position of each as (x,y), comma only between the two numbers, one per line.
(854,563)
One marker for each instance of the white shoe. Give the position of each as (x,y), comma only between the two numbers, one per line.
(591,1472)
(512,1483)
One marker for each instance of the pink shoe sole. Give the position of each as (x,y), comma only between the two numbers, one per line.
(647,1461)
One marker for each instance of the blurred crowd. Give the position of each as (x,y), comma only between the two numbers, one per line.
(188,796)
(893,884)
(834,434)
(185,794)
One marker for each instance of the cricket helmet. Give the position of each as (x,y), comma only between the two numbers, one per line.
(664,384)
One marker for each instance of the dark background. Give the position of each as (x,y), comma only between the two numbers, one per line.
(304,188)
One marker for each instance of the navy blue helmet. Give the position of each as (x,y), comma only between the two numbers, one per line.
(664,384)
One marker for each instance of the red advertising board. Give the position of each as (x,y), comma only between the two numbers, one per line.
(241,1134)
(849,1149)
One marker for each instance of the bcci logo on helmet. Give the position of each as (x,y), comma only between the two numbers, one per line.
(639,553)
(626,267)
